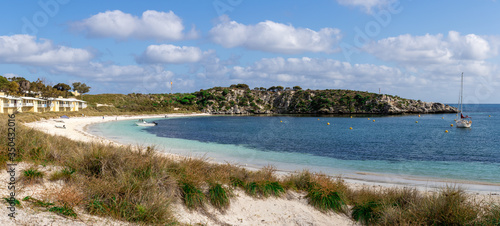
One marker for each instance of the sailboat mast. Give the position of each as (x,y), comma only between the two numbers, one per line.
(462,93)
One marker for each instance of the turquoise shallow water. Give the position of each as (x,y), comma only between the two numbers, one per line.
(391,147)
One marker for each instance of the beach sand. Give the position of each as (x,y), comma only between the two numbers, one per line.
(292,209)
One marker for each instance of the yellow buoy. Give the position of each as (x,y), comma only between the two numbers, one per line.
(374,120)
(368,118)
(419,116)
(451,125)
(416,121)
(489,115)
(328,123)
(446,131)
(318,119)
(350,127)
(281,121)
(442,117)
(351,116)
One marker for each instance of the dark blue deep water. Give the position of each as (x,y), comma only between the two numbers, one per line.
(391,138)
(390,145)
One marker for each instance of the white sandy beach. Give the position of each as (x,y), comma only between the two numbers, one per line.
(293,209)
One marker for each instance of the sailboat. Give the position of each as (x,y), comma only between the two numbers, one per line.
(463,121)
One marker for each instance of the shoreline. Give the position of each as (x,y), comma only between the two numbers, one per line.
(78,126)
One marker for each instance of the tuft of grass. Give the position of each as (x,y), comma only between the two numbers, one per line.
(300,181)
(451,206)
(63,210)
(272,188)
(252,188)
(236,182)
(11,201)
(96,206)
(192,196)
(218,196)
(64,174)
(32,175)
(264,189)
(37,202)
(366,213)
(324,199)
(492,217)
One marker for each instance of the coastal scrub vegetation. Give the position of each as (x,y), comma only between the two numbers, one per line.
(240,99)
(16,86)
(139,185)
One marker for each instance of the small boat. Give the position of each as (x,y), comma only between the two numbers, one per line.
(142,122)
(463,121)
(61,126)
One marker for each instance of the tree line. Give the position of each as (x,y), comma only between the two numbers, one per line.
(19,86)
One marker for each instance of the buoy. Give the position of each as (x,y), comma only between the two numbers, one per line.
(455,120)
(451,125)
(328,123)
(318,119)
(368,118)
(374,120)
(442,117)
(446,131)
(281,121)
(350,127)
(351,116)
(416,121)
(489,115)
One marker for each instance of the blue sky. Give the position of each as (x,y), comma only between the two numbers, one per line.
(413,49)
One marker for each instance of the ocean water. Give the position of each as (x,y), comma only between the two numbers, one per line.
(380,148)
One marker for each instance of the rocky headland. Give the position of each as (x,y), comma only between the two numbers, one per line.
(245,101)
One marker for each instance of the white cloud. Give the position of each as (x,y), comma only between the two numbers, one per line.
(275,37)
(170,54)
(117,24)
(27,50)
(10,75)
(319,73)
(366,5)
(434,49)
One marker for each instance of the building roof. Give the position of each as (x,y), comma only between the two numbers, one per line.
(10,97)
(30,98)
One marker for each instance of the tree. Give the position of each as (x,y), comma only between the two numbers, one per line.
(13,87)
(239,86)
(81,87)
(62,87)
(4,84)
(297,88)
(37,86)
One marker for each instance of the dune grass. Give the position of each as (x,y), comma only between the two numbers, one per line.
(138,185)
(32,175)
(219,196)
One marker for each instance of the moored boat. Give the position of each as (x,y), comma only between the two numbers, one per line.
(142,122)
